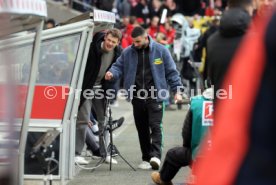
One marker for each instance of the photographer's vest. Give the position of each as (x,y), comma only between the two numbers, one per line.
(202,119)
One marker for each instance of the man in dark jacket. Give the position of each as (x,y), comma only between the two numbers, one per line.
(221,46)
(201,45)
(104,51)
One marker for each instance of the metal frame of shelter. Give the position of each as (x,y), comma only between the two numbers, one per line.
(17,16)
(59,113)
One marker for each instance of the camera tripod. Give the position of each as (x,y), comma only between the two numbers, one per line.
(112,146)
(108,127)
(44,152)
(46,162)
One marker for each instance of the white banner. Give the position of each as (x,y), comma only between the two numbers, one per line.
(32,7)
(104,16)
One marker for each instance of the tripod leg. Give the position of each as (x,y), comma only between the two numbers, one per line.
(127,162)
(115,148)
(111,137)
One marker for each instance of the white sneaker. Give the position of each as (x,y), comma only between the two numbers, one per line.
(114,104)
(155,163)
(80,160)
(144,165)
(88,153)
(95,157)
(113,161)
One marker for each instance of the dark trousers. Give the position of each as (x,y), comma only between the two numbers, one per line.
(148,116)
(176,158)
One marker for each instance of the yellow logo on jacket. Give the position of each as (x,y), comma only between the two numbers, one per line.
(158,61)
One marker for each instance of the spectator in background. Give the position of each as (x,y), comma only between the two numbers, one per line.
(155,8)
(219,5)
(186,37)
(167,36)
(201,45)
(265,6)
(171,6)
(189,7)
(50,23)
(106,5)
(141,10)
(141,22)
(224,3)
(222,45)
(123,8)
(129,24)
(169,32)
(155,27)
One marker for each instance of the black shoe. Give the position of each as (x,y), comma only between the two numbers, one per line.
(117,123)
(96,154)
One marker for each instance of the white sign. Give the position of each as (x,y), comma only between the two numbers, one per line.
(104,16)
(32,7)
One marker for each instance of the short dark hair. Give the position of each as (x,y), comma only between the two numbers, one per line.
(51,21)
(138,31)
(239,3)
(114,32)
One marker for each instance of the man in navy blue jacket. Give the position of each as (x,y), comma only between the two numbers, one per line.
(148,68)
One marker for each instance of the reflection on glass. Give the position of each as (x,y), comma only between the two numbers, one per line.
(19,60)
(55,68)
(56,63)
(57,60)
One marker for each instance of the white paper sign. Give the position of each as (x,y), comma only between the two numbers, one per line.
(104,16)
(32,7)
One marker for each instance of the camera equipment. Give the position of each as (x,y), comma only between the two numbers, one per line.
(113,148)
(109,126)
(45,140)
(116,124)
(43,151)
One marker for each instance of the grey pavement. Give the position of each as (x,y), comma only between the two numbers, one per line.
(126,140)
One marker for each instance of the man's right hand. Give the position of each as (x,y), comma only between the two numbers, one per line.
(90,124)
(108,75)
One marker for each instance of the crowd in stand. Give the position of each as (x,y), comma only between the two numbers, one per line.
(147,13)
